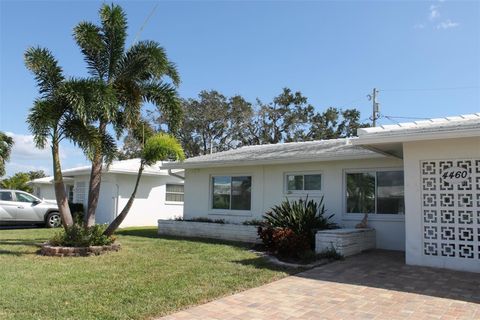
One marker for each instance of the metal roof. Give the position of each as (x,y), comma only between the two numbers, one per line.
(119,167)
(439,128)
(292,152)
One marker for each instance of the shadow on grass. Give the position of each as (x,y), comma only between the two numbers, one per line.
(13,244)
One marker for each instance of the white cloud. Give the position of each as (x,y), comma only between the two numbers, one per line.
(24,148)
(434,12)
(447,24)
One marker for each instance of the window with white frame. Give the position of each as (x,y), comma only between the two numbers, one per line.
(232,192)
(302,183)
(174,192)
(380,192)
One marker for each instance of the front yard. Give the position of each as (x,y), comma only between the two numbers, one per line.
(149,277)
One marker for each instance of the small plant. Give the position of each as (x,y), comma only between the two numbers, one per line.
(289,229)
(78,236)
(77,211)
(253,222)
(283,242)
(330,254)
(201,219)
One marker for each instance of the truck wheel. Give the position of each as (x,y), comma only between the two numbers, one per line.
(53,220)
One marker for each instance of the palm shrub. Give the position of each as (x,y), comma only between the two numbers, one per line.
(289,229)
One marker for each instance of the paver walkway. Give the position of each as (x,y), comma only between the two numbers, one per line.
(374,285)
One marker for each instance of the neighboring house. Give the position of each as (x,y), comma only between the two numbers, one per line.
(419,182)
(159,195)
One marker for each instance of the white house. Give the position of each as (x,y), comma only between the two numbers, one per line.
(159,195)
(419,182)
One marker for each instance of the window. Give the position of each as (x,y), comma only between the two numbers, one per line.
(232,193)
(70,193)
(6,196)
(375,192)
(303,182)
(23,197)
(80,194)
(174,192)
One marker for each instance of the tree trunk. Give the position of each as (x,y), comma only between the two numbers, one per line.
(119,219)
(95,181)
(60,193)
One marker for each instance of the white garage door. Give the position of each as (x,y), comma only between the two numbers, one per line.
(451,210)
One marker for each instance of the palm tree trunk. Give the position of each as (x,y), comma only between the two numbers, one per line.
(95,181)
(119,219)
(60,193)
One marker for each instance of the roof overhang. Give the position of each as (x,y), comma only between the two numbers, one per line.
(391,141)
(256,162)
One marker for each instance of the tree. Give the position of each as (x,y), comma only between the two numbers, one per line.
(124,79)
(19,181)
(159,147)
(51,119)
(6,144)
(36,174)
(334,123)
(282,120)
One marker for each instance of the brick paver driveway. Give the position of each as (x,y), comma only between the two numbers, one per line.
(374,285)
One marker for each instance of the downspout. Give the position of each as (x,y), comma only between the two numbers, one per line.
(170,173)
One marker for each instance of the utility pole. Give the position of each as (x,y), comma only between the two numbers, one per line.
(375,106)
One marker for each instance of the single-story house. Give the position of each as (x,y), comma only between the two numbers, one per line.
(419,182)
(159,195)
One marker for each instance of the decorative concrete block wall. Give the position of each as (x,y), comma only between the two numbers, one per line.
(346,242)
(227,231)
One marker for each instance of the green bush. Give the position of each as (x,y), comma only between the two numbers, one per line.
(77,236)
(303,217)
(201,219)
(253,222)
(295,222)
(283,242)
(77,211)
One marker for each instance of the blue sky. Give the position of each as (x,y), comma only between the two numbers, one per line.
(334,52)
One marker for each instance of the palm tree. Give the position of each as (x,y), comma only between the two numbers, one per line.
(6,144)
(124,79)
(159,147)
(54,117)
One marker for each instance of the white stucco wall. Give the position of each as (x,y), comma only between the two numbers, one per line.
(148,206)
(268,190)
(46,191)
(414,153)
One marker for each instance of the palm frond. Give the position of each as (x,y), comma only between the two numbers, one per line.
(161,147)
(114,27)
(43,121)
(89,38)
(147,60)
(165,97)
(45,68)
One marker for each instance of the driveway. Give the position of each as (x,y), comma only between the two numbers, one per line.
(373,285)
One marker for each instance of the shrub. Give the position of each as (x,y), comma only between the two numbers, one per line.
(77,212)
(289,229)
(201,219)
(253,222)
(283,242)
(77,236)
(303,217)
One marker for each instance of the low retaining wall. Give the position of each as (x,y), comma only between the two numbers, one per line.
(227,231)
(346,242)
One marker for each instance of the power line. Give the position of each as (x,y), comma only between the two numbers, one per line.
(145,23)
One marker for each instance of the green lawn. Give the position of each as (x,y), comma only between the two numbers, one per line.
(149,277)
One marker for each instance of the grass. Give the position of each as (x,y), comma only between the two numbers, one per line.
(149,277)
